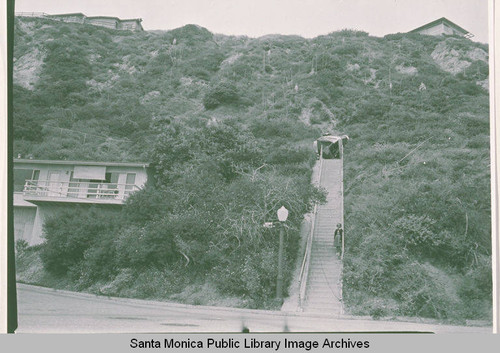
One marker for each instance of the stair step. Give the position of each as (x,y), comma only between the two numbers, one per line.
(325,255)
(324,269)
(326,286)
(327,295)
(329,258)
(323,300)
(326,305)
(331,302)
(323,283)
(328,273)
(319,280)
(324,291)
(324,295)
(334,302)
(318,264)
(330,284)
(332,306)
(331,278)
(328,277)
(322,309)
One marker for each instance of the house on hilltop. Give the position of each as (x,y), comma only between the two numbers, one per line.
(42,188)
(442,26)
(69,17)
(132,24)
(103,21)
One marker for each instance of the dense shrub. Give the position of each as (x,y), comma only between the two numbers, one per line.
(224,93)
(68,235)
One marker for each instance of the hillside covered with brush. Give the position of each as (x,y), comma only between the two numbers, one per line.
(228,123)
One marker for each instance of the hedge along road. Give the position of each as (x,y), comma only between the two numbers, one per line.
(44,310)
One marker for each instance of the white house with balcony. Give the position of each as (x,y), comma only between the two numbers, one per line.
(42,188)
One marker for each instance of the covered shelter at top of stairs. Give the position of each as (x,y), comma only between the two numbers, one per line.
(330,146)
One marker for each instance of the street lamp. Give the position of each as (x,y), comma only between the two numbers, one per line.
(282,214)
(282,217)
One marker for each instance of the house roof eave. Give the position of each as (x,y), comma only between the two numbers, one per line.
(59,162)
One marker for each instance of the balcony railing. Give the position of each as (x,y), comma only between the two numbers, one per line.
(78,190)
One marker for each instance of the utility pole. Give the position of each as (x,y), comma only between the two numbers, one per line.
(282,217)
(341,148)
(342,193)
(279,284)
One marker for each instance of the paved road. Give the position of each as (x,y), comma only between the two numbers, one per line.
(43,310)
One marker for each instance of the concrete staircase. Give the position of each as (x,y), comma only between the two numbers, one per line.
(323,293)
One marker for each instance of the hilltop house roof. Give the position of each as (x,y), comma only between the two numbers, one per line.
(103,17)
(60,162)
(132,19)
(446,22)
(79,14)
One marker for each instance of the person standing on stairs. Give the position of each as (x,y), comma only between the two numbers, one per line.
(337,239)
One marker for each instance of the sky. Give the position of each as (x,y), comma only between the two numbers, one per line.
(254,18)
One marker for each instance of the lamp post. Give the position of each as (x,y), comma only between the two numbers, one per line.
(282,217)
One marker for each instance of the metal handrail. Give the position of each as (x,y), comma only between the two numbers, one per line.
(304,270)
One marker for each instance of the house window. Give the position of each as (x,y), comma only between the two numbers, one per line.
(112,180)
(110,188)
(130,183)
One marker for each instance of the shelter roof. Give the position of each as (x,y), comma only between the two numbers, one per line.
(332,138)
